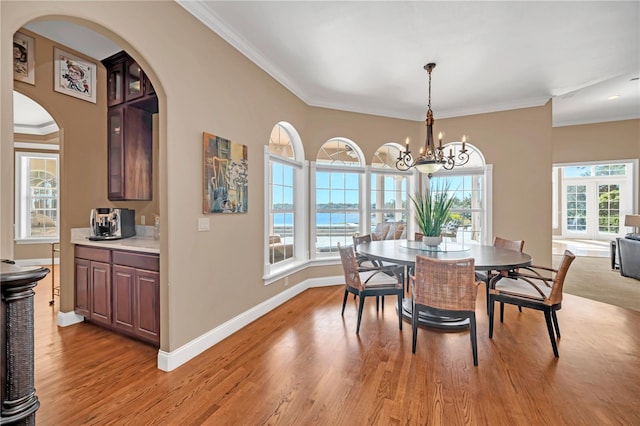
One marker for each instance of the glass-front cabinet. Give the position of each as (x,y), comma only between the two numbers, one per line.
(132,102)
(135,81)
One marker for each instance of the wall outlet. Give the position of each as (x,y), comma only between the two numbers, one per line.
(203,224)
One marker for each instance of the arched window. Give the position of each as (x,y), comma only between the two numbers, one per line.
(388,187)
(470,185)
(285,202)
(338,179)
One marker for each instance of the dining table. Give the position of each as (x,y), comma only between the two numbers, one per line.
(404,252)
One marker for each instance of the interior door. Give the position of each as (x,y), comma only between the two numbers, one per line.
(592,208)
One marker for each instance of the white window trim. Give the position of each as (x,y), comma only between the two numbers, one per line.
(634,175)
(315,168)
(274,272)
(412,178)
(487,172)
(20,183)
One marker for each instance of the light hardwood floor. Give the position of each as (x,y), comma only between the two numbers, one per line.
(303,364)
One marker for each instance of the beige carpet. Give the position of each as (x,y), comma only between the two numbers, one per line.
(592,278)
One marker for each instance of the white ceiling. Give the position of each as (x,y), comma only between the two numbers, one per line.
(368,56)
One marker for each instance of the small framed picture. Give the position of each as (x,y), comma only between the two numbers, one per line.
(74,76)
(23,58)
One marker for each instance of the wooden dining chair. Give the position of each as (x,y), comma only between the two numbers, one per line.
(377,283)
(363,260)
(535,287)
(445,288)
(485,276)
(368,264)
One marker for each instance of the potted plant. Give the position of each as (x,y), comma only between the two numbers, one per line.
(432,212)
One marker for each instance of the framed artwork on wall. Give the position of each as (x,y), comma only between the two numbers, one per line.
(23,58)
(74,76)
(225,175)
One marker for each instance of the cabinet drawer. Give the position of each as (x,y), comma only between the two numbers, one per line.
(149,262)
(92,253)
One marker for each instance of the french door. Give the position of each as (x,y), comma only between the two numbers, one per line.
(593,207)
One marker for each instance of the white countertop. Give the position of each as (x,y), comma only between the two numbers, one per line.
(141,242)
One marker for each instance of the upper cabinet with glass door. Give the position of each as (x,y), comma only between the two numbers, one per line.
(127,82)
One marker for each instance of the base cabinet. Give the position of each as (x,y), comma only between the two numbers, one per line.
(121,293)
(123,298)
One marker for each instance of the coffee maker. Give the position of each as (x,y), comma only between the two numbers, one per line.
(108,223)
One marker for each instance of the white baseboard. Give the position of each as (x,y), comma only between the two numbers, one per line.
(168,361)
(36,262)
(69,318)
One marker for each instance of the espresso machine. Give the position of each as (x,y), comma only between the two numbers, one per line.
(108,223)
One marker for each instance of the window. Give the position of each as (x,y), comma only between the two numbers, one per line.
(285,202)
(594,198)
(36,197)
(469,220)
(338,180)
(388,187)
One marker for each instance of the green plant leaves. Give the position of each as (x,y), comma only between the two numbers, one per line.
(432,209)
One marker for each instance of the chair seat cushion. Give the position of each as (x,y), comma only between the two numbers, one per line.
(522,288)
(378,279)
(368,264)
(482,275)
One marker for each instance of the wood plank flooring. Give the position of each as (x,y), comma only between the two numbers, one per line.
(303,364)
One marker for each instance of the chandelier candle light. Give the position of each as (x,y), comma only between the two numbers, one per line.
(432,158)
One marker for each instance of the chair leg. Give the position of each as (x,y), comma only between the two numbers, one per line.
(377,303)
(501,311)
(414,327)
(400,310)
(382,302)
(344,300)
(519,308)
(491,309)
(554,317)
(547,317)
(360,308)
(486,285)
(487,292)
(474,339)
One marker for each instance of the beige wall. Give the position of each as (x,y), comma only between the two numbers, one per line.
(204,85)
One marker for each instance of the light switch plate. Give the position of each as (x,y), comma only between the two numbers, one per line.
(203,224)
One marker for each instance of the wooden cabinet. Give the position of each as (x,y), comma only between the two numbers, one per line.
(122,294)
(127,82)
(100,291)
(115,83)
(135,79)
(123,297)
(129,154)
(93,284)
(132,101)
(147,298)
(136,280)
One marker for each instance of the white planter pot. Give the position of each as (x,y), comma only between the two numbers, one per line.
(431,241)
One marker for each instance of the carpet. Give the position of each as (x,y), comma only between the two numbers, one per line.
(592,278)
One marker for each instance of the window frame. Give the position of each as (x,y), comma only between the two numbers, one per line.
(276,271)
(362,197)
(410,178)
(22,178)
(486,172)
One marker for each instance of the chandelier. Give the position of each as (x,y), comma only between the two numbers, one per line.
(432,158)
